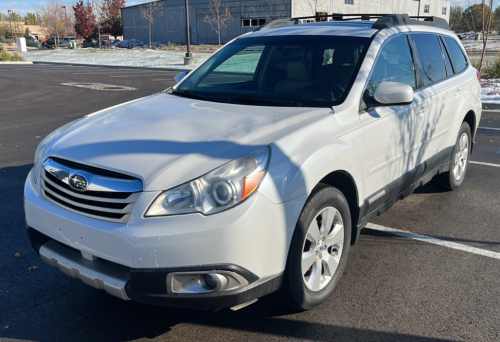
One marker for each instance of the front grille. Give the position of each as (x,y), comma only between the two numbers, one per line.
(109,196)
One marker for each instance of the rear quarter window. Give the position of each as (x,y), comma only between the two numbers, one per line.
(456,55)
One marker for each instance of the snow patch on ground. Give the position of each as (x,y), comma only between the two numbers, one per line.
(490,91)
(477,45)
(116,57)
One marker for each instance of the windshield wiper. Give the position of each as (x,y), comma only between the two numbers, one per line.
(191,95)
(252,99)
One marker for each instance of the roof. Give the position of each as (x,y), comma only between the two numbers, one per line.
(354,29)
(356,25)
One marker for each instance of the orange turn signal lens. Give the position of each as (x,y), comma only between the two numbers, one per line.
(251,182)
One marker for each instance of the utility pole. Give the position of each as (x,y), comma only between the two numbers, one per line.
(189,59)
(418,10)
(10,23)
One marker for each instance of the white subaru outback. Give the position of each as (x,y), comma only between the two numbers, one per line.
(257,171)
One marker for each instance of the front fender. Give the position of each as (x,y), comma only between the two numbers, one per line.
(289,178)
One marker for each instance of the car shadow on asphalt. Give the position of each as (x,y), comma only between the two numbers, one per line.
(39,303)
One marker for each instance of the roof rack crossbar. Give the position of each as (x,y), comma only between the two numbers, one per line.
(384,21)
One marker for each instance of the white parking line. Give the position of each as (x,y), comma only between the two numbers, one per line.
(494,129)
(435,241)
(481,163)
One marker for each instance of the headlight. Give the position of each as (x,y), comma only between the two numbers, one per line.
(216,191)
(44,144)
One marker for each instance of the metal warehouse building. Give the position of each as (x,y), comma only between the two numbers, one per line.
(169,24)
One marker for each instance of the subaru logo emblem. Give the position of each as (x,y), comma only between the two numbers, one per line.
(78,182)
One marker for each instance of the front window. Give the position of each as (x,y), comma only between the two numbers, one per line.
(394,64)
(309,71)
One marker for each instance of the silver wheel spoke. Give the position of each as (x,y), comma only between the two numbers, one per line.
(336,236)
(315,277)
(313,234)
(330,264)
(307,260)
(327,220)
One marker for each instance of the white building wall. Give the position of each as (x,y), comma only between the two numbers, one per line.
(302,8)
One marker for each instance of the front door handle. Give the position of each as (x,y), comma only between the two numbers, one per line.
(457,92)
(420,110)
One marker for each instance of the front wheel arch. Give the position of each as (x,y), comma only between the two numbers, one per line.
(343,181)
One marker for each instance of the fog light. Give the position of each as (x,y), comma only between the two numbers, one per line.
(215,282)
(204,282)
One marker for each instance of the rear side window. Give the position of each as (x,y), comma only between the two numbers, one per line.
(456,55)
(432,68)
(394,64)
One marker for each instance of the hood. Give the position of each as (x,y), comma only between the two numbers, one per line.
(167,140)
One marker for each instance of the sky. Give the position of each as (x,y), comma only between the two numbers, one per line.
(24,6)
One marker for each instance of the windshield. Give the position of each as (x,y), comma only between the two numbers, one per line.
(309,71)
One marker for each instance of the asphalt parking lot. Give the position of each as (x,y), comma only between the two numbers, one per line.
(438,280)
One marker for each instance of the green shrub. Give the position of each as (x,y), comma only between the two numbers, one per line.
(7,57)
(492,70)
(64,45)
(4,56)
(16,57)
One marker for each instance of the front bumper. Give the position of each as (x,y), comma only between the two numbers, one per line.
(149,285)
(250,239)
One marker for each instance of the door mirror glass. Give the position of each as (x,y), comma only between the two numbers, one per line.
(180,76)
(393,93)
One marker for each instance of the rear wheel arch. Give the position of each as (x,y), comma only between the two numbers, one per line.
(470,118)
(344,181)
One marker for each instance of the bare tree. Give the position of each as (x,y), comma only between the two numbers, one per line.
(149,11)
(314,5)
(217,16)
(486,28)
(53,19)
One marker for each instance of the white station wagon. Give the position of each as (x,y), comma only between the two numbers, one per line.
(257,170)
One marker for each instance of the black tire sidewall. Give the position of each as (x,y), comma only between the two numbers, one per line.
(301,297)
(454,183)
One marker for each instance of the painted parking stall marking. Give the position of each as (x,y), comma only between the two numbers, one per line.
(434,241)
(490,128)
(482,163)
(98,86)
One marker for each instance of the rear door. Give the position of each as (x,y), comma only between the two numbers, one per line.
(441,92)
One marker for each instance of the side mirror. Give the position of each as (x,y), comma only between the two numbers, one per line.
(393,93)
(180,76)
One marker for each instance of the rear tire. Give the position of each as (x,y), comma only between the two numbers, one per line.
(452,179)
(319,249)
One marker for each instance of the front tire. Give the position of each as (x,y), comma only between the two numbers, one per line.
(452,179)
(319,248)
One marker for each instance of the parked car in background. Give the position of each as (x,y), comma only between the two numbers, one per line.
(32,41)
(51,42)
(257,171)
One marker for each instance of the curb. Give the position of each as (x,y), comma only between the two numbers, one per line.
(10,62)
(113,66)
(491,106)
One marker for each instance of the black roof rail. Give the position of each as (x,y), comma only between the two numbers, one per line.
(384,21)
(278,23)
(393,20)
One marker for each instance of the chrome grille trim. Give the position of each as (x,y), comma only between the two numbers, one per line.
(106,198)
